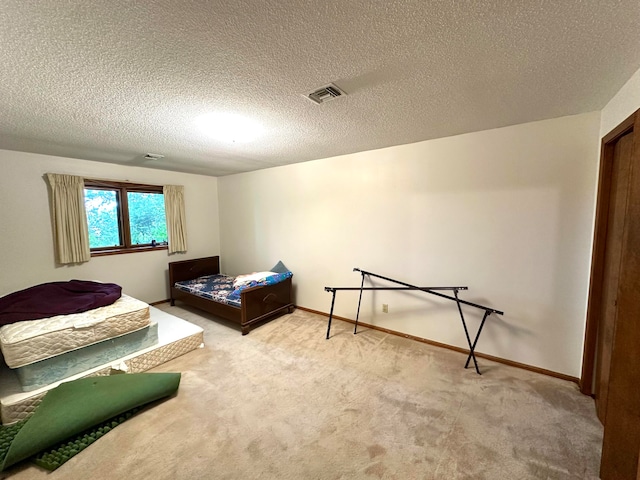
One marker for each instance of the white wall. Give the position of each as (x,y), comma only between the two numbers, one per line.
(623,104)
(507,212)
(26,246)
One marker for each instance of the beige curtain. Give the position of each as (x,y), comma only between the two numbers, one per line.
(176,218)
(70,231)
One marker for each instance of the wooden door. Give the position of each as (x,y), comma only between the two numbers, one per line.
(611,361)
(622,423)
(618,196)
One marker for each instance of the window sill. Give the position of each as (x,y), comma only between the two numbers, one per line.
(120,251)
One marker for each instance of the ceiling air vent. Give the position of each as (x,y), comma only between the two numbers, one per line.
(325,94)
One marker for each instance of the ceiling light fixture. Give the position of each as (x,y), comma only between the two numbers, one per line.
(229,127)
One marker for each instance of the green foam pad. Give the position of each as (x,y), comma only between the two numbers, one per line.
(52,458)
(7,434)
(77,406)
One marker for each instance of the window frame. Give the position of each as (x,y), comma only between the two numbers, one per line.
(124,225)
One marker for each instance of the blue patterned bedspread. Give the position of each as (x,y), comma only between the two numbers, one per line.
(219,288)
(213,287)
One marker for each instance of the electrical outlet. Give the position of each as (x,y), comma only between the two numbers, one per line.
(385,308)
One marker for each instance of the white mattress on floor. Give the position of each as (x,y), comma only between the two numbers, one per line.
(44,372)
(30,341)
(175,337)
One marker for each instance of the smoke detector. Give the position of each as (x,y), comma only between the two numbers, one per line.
(326,93)
(153,156)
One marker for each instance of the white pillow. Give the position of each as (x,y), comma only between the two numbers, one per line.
(241,280)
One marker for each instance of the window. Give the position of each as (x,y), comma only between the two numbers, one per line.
(124,217)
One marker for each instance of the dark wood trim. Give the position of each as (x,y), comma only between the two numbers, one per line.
(594,306)
(120,251)
(625,127)
(124,225)
(492,358)
(159,302)
(134,187)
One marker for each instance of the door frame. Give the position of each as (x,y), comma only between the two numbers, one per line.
(630,124)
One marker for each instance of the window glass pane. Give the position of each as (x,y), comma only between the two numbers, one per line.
(102,217)
(146,217)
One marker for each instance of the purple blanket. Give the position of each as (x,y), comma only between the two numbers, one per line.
(56,298)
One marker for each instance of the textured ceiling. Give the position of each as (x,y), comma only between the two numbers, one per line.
(111,81)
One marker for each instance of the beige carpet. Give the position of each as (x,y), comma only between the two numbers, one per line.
(284,403)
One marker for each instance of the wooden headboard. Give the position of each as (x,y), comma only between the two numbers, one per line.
(190,269)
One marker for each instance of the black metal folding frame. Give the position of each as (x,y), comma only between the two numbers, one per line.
(431,290)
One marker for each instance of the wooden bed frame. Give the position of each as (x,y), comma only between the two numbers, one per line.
(258,303)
